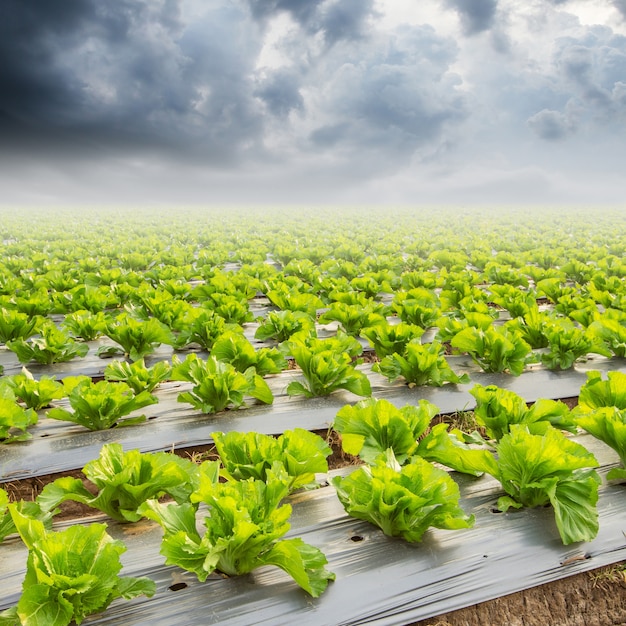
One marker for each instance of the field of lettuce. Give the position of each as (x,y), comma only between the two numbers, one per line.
(468,365)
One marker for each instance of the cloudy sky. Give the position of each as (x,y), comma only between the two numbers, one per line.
(313,101)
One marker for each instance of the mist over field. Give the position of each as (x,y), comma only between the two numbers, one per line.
(354,102)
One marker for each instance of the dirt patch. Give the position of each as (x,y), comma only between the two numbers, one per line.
(595,598)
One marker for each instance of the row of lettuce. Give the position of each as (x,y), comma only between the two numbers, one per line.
(398,487)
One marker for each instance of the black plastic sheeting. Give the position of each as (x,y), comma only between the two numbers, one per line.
(380,580)
(60,446)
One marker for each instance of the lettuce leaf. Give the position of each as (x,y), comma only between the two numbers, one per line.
(371,426)
(70,574)
(403,501)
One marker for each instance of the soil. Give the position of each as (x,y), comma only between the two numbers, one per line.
(595,598)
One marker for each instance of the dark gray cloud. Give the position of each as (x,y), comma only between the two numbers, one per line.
(620,5)
(280,91)
(388,98)
(476,15)
(550,125)
(593,68)
(335,19)
(97,76)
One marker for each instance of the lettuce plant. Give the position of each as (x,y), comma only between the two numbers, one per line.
(596,392)
(218,385)
(420,364)
(403,501)
(601,411)
(388,338)
(31,509)
(69,574)
(418,306)
(493,349)
(52,346)
(86,324)
(136,337)
(235,349)
(496,409)
(243,531)
(300,453)
(282,325)
(370,427)
(202,326)
(326,367)
(568,343)
(125,480)
(449,326)
(15,420)
(611,331)
(286,299)
(353,318)
(233,309)
(136,375)
(514,300)
(101,405)
(17,325)
(35,394)
(536,470)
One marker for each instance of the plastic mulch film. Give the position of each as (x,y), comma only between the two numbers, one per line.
(380,580)
(60,446)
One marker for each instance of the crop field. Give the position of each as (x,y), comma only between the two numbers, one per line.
(309,415)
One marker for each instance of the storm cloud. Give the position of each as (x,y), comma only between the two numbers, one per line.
(214,97)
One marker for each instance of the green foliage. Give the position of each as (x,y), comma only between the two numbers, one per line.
(101,405)
(138,338)
(601,411)
(85,324)
(514,300)
(420,364)
(244,530)
(403,501)
(354,318)
(52,346)
(14,421)
(70,574)
(326,366)
(31,509)
(611,331)
(202,326)
(286,299)
(125,480)
(17,325)
(418,306)
(568,343)
(493,349)
(218,385)
(388,339)
(35,394)
(235,349)
(372,426)
(596,392)
(136,375)
(450,326)
(496,409)
(300,454)
(234,309)
(536,470)
(282,325)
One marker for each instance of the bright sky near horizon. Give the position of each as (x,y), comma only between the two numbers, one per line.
(313,101)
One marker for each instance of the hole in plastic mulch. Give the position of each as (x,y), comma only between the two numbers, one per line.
(177,586)
(356,538)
